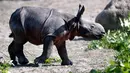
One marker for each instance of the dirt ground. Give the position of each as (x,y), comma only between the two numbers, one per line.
(83,60)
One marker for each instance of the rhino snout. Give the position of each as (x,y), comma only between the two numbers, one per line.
(99,36)
(100,32)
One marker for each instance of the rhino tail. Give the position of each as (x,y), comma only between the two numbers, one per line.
(11,35)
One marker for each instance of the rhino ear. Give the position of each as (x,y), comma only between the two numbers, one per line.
(80,12)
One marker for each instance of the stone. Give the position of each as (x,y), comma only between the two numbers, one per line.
(112,13)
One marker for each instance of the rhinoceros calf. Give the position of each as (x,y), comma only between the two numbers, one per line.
(49,27)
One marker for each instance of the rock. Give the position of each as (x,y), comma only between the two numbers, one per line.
(2,60)
(114,10)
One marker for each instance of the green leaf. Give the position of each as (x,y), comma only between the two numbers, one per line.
(118,40)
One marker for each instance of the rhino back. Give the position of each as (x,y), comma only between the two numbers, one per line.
(37,22)
(41,22)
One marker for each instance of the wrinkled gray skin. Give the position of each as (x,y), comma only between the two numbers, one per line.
(114,10)
(48,27)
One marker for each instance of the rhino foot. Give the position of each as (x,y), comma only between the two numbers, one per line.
(23,61)
(14,63)
(68,62)
(39,60)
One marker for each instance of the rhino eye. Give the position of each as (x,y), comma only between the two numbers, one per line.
(92,26)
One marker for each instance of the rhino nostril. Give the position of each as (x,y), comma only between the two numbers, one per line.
(102,32)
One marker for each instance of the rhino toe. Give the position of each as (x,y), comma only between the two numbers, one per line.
(23,61)
(68,62)
(39,60)
(14,63)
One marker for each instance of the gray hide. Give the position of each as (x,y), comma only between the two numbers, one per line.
(116,9)
(48,27)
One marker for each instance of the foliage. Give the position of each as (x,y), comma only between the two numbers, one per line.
(4,67)
(118,40)
(52,60)
(113,39)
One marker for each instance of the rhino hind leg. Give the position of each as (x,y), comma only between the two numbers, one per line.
(19,53)
(16,50)
(47,49)
(63,54)
(12,53)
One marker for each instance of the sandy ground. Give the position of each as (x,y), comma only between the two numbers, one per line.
(83,60)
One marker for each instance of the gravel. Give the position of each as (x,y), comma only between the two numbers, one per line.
(83,60)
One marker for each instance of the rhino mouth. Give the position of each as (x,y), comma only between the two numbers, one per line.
(99,36)
(92,36)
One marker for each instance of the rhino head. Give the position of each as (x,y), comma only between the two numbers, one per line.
(80,27)
(90,30)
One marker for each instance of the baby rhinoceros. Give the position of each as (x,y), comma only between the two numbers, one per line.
(48,27)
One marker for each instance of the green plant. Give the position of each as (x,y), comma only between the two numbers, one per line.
(118,40)
(113,39)
(4,67)
(70,72)
(52,60)
(121,64)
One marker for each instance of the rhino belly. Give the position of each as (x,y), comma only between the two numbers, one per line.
(34,40)
(33,34)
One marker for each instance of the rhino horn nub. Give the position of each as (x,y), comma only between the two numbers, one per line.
(80,12)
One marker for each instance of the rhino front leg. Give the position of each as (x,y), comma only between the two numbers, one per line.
(47,49)
(63,54)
